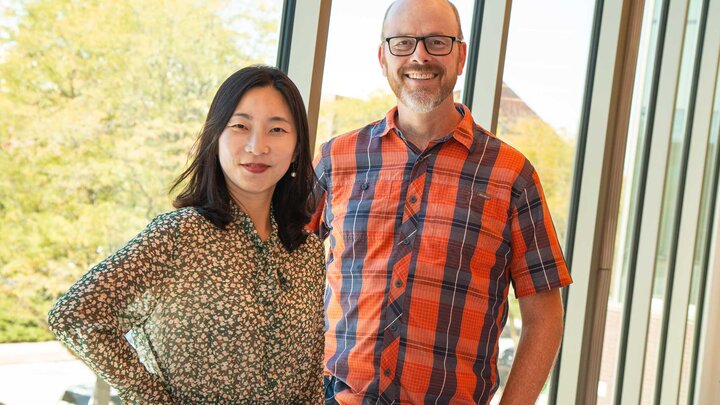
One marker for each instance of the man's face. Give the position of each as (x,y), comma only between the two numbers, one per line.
(422,81)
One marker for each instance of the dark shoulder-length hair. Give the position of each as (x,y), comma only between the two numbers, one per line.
(206,189)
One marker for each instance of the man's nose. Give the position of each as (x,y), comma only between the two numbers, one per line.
(421,54)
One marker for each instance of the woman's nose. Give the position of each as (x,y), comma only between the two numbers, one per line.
(257,145)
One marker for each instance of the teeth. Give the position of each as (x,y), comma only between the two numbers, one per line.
(421,76)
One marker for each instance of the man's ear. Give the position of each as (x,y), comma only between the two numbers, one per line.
(462,48)
(381,58)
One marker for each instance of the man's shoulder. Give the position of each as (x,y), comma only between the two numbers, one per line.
(351,137)
(486,141)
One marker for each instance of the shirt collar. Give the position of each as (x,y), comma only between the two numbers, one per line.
(463,131)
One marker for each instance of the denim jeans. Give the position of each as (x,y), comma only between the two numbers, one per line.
(330,390)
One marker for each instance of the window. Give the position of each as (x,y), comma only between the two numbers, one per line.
(636,145)
(700,257)
(666,249)
(101,103)
(541,101)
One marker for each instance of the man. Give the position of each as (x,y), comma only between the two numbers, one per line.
(431,218)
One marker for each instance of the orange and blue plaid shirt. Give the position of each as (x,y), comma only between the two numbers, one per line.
(423,248)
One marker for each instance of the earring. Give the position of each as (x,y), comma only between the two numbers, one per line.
(294,167)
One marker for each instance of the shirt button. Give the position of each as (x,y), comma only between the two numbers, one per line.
(406,242)
(413,199)
(393,327)
(387,372)
(364,186)
(398,283)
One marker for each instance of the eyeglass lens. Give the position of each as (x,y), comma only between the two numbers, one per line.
(435,45)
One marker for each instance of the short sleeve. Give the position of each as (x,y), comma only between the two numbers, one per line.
(537,260)
(317,223)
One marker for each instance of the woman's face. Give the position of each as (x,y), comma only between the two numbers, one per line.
(257,145)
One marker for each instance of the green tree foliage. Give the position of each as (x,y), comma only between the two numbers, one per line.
(101,102)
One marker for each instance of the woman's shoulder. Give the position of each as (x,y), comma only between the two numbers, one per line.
(311,249)
(313,242)
(179,219)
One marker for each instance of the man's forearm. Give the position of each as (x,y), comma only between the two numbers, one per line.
(534,357)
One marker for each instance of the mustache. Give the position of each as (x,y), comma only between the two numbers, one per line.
(424,68)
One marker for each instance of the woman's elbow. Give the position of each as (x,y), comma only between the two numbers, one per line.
(59,318)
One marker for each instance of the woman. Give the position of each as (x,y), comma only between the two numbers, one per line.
(223,296)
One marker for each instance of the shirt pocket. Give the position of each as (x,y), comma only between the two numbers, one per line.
(489,208)
(468,212)
(366,203)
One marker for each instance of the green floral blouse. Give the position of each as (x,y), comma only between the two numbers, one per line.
(216,316)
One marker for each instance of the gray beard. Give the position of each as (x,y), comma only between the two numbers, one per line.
(420,102)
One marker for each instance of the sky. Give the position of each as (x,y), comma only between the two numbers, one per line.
(546,59)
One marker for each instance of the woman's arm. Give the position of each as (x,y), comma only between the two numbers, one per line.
(93,317)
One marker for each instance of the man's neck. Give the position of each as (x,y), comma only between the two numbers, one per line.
(422,128)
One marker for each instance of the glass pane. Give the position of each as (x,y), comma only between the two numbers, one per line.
(541,106)
(101,102)
(700,255)
(636,145)
(670,210)
(356,93)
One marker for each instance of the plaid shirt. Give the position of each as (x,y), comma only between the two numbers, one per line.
(423,248)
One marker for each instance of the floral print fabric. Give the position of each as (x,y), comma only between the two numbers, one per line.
(216,316)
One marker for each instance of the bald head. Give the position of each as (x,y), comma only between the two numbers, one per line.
(400,6)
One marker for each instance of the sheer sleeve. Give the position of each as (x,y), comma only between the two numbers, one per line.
(116,295)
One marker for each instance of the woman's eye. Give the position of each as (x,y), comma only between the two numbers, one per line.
(278,130)
(237,126)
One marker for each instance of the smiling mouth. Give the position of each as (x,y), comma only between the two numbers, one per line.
(421,76)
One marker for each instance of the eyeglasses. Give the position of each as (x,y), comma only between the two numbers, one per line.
(436,45)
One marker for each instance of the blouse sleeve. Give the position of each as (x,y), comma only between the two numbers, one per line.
(117,294)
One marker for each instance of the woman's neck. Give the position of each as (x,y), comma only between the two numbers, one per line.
(258,209)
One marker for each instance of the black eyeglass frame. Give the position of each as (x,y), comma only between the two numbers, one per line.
(418,39)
